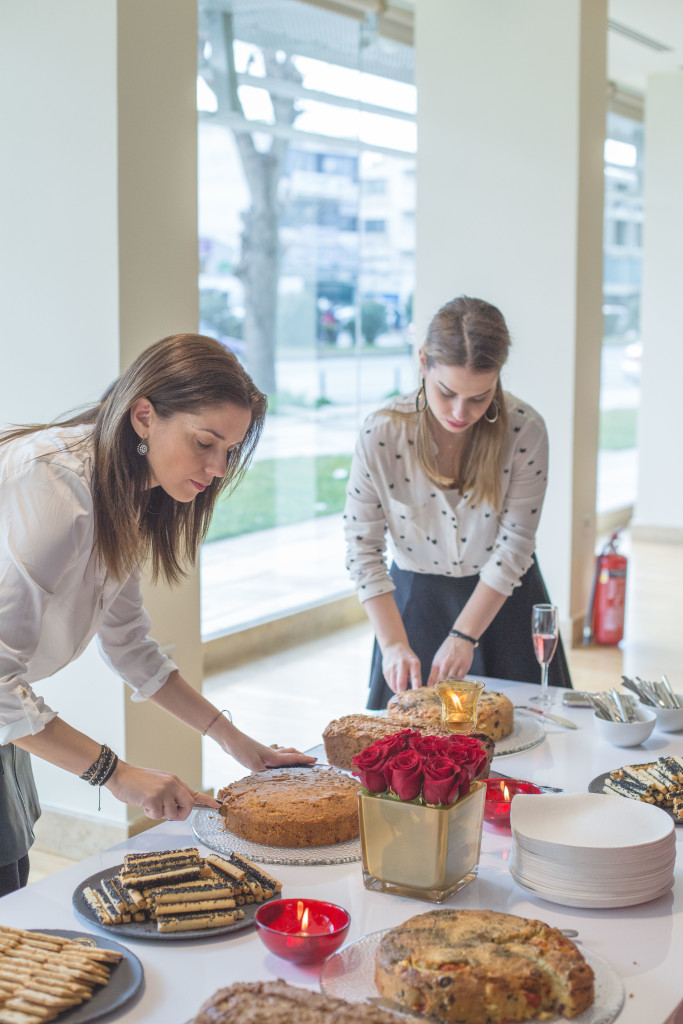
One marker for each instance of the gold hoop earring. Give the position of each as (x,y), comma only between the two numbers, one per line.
(492,419)
(423,393)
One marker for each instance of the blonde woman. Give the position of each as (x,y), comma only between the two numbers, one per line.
(84,505)
(455,475)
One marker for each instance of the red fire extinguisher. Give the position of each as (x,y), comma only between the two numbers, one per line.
(605,618)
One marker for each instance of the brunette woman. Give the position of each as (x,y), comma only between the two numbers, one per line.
(85,504)
(454,475)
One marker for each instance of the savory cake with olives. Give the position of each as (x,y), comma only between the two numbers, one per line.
(482,967)
(495,713)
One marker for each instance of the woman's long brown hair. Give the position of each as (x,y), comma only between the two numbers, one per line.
(133,523)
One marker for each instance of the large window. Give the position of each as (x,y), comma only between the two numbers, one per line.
(307,195)
(622,348)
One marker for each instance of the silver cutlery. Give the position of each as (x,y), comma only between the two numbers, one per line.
(639,691)
(545,789)
(670,694)
(546,714)
(654,694)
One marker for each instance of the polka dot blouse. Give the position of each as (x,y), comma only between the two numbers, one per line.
(392,504)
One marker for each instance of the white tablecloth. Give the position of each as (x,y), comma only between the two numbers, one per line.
(643,943)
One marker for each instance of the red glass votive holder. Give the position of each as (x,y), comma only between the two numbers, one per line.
(302,930)
(499,794)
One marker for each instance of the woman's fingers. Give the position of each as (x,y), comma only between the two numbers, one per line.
(159,794)
(401,669)
(454,658)
(289,755)
(206,801)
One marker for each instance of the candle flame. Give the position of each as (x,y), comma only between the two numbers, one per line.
(506,793)
(304,920)
(457,706)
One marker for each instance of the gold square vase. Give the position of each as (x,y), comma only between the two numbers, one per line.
(427,853)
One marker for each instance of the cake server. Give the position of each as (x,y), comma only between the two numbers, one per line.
(546,714)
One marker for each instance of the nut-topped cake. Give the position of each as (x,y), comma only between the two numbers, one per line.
(495,713)
(299,806)
(482,967)
(347,736)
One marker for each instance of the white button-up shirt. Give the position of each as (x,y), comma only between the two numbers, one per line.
(55,595)
(429,530)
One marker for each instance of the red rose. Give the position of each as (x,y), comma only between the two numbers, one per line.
(427,746)
(443,781)
(404,775)
(470,755)
(369,765)
(394,743)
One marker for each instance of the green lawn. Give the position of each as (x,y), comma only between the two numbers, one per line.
(618,429)
(276,492)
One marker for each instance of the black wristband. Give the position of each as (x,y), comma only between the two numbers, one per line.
(463,636)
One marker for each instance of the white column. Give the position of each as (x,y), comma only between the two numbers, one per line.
(511,123)
(98,259)
(659,506)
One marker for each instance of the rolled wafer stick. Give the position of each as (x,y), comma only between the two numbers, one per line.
(173,875)
(226,867)
(254,871)
(164,909)
(184,853)
(192,922)
(98,906)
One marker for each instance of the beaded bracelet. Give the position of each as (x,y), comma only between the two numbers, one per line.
(101,770)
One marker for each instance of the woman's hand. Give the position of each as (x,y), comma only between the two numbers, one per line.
(160,794)
(401,668)
(255,756)
(452,660)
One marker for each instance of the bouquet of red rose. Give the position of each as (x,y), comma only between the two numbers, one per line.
(434,770)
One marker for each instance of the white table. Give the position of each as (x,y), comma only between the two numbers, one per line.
(643,943)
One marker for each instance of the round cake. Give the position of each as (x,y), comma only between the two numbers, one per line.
(298,806)
(482,967)
(276,1002)
(495,713)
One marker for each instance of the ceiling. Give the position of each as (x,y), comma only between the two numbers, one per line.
(654,47)
(645,37)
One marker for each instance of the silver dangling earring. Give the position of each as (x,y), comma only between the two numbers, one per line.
(422,392)
(492,419)
(142,448)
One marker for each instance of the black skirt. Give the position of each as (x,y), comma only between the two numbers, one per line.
(429,605)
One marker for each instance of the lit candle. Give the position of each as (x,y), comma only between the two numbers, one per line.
(459,704)
(499,794)
(312,926)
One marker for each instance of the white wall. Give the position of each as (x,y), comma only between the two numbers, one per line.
(510,132)
(659,508)
(98,259)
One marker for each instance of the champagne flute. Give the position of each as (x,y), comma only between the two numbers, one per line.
(545,630)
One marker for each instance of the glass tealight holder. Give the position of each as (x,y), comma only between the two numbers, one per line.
(459,704)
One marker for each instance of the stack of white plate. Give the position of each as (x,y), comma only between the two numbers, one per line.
(591,850)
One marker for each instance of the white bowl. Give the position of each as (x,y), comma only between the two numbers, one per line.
(669,719)
(627,734)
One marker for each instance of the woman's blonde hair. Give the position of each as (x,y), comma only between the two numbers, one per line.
(133,523)
(473,334)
